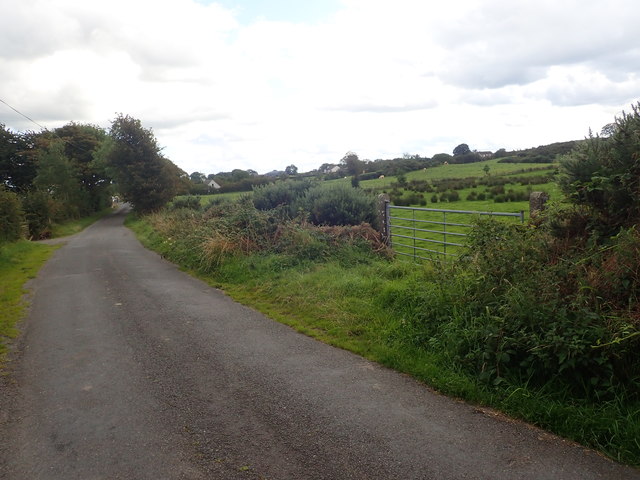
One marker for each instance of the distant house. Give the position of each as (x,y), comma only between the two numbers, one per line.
(327,168)
(213,185)
(485,155)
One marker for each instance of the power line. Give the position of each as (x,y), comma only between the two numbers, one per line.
(22,114)
(65,140)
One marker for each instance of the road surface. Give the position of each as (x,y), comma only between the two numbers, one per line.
(130,369)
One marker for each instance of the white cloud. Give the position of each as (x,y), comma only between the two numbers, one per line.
(379,77)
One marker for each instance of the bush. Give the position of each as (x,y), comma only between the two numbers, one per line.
(338,204)
(191,202)
(453,196)
(11,216)
(280,194)
(603,173)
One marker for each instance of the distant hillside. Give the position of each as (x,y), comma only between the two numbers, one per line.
(541,154)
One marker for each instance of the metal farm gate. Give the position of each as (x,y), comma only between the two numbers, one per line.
(430,233)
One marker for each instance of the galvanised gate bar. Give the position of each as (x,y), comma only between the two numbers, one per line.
(429,233)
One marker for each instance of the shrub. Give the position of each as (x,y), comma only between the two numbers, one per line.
(279,194)
(338,204)
(11,216)
(453,196)
(522,309)
(604,173)
(191,202)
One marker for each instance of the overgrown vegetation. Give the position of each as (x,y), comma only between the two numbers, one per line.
(539,320)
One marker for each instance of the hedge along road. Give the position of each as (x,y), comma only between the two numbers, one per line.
(131,369)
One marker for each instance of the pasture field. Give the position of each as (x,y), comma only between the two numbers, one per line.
(436,235)
(466,170)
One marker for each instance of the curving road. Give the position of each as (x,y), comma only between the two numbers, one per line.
(131,369)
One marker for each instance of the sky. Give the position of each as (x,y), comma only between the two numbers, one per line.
(263,84)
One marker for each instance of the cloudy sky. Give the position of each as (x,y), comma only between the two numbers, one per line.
(262,84)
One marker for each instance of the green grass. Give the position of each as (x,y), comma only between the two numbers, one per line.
(231,196)
(19,263)
(466,170)
(74,226)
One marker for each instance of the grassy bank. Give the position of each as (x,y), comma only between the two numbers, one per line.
(19,262)
(431,321)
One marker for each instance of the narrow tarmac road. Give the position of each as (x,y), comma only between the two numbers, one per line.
(131,369)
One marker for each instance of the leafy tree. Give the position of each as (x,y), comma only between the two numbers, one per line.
(58,177)
(291,170)
(462,149)
(440,158)
(608,130)
(197,177)
(143,175)
(81,143)
(181,181)
(352,164)
(17,159)
(500,153)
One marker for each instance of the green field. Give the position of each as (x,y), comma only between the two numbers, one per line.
(466,170)
(435,234)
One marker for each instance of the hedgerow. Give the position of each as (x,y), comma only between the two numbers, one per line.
(11,216)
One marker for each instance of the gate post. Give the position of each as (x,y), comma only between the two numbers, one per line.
(537,201)
(384,218)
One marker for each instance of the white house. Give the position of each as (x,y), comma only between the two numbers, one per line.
(212,184)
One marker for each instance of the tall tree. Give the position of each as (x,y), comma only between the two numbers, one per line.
(81,142)
(197,177)
(352,163)
(462,149)
(291,170)
(17,159)
(58,177)
(143,175)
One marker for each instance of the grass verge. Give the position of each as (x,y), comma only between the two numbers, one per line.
(19,262)
(74,226)
(362,303)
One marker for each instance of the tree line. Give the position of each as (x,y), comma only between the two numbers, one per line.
(73,171)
